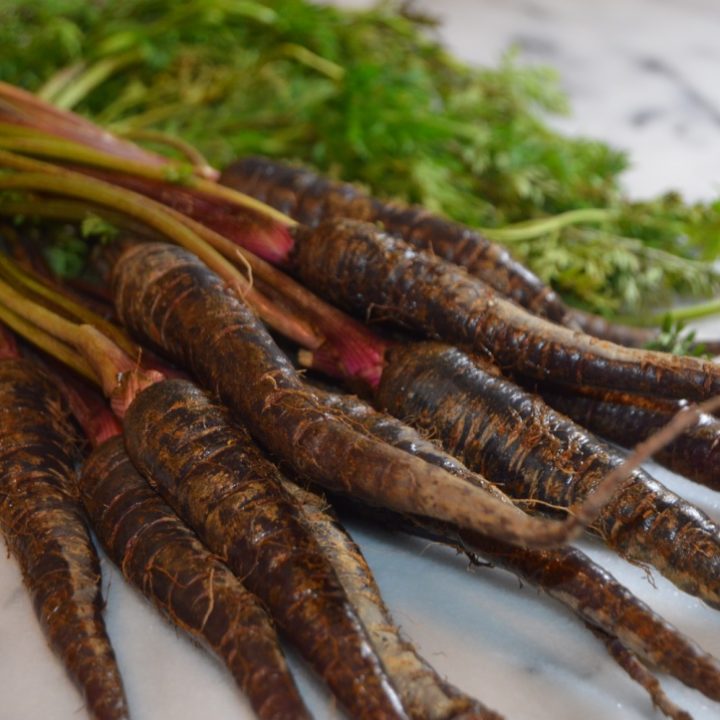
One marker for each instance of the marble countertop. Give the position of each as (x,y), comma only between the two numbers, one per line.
(642,74)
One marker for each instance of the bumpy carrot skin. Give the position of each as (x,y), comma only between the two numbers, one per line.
(161,291)
(362,269)
(565,574)
(164,559)
(217,480)
(534,453)
(425,695)
(310,198)
(628,419)
(43,523)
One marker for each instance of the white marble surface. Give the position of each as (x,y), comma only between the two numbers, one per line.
(642,74)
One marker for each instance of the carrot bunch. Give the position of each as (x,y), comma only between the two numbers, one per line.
(196,468)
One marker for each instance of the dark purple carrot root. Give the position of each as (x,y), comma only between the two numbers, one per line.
(366,271)
(627,420)
(161,557)
(310,199)
(216,479)
(41,518)
(161,291)
(533,453)
(424,694)
(565,574)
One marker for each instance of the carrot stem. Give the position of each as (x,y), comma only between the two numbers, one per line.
(74,309)
(45,177)
(52,323)
(73,92)
(59,350)
(135,205)
(73,151)
(192,154)
(106,364)
(529,229)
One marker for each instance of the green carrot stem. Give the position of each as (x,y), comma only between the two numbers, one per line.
(313,60)
(118,374)
(65,209)
(69,96)
(72,151)
(13,161)
(77,311)
(150,117)
(690,312)
(59,350)
(59,327)
(33,108)
(57,82)
(137,206)
(24,109)
(10,129)
(529,229)
(192,154)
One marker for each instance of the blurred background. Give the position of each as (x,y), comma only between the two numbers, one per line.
(641,74)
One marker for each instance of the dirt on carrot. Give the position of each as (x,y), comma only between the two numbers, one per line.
(362,269)
(216,479)
(537,455)
(161,291)
(628,419)
(45,528)
(565,574)
(164,559)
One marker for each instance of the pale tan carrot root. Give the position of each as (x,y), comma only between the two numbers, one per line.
(425,695)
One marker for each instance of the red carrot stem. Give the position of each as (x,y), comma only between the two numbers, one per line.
(200,164)
(8,345)
(25,109)
(74,150)
(165,221)
(102,361)
(346,349)
(91,410)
